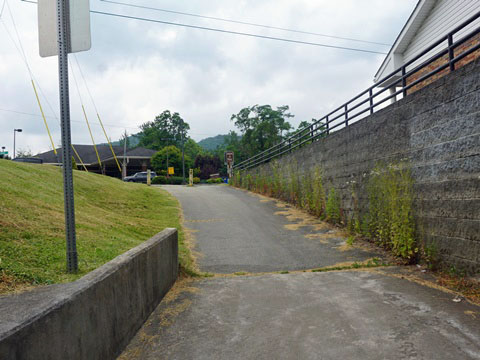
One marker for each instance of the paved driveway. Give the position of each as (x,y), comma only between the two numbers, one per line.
(236,231)
(380,313)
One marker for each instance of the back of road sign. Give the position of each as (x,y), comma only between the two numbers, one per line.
(80,39)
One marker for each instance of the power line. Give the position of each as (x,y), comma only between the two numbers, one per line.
(245,23)
(229,31)
(78,121)
(236,32)
(3,6)
(94,123)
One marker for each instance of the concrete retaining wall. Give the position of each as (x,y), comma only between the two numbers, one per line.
(95,316)
(436,130)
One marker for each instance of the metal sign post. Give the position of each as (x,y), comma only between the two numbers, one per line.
(64,27)
(63,20)
(229,160)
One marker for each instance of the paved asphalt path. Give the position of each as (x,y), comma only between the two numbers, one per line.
(235,231)
(380,313)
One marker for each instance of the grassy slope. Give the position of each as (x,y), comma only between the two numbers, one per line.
(111,216)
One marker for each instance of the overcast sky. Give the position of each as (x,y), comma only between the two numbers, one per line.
(135,69)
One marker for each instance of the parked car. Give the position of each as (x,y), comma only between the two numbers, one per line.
(140,177)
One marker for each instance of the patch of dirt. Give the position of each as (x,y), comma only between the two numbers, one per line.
(464,289)
(190,241)
(204,220)
(10,285)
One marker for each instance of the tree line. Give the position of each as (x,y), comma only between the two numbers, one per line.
(259,128)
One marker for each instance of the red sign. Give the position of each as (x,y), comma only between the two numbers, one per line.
(229,157)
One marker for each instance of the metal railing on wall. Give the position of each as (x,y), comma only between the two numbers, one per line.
(370,100)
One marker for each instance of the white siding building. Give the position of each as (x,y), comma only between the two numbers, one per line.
(430,20)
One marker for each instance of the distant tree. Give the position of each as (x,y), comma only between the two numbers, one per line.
(306,124)
(23,153)
(166,129)
(303,124)
(261,126)
(192,149)
(159,160)
(207,164)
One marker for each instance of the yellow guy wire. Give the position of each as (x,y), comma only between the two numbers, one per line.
(91,136)
(79,158)
(85,115)
(48,130)
(22,54)
(109,143)
(43,116)
(96,110)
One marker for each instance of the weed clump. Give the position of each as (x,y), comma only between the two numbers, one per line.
(332,208)
(390,214)
(387,218)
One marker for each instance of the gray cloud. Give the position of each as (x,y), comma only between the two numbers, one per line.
(136,70)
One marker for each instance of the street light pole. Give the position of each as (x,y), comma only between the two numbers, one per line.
(14,133)
(124,165)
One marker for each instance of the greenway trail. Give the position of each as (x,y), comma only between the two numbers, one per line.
(264,302)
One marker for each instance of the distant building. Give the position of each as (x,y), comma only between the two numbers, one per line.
(137,159)
(430,20)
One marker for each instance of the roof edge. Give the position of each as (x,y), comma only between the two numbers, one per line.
(401,36)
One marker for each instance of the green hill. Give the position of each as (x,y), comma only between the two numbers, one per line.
(211,143)
(112,217)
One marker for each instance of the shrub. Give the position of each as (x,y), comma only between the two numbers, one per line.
(277,180)
(249,182)
(390,216)
(318,197)
(215,181)
(175,180)
(74,164)
(237,179)
(332,208)
(159,180)
(172,180)
(196,180)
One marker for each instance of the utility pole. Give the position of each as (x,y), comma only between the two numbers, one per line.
(183,154)
(63,37)
(167,139)
(167,160)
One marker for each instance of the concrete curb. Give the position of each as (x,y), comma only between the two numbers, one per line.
(96,316)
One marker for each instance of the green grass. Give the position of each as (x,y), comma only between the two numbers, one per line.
(112,217)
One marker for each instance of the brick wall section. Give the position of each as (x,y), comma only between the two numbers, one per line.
(475,40)
(437,130)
